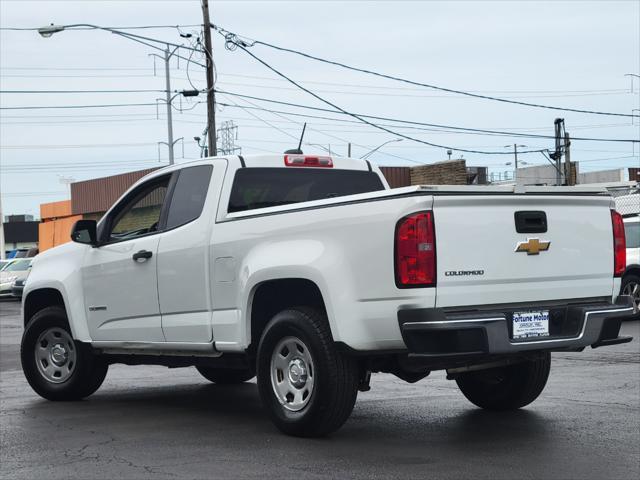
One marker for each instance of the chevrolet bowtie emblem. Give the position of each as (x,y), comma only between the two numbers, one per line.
(533,246)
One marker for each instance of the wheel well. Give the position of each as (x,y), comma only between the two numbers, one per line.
(632,270)
(274,296)
(39,299)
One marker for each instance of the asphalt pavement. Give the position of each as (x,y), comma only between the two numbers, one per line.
(155,422)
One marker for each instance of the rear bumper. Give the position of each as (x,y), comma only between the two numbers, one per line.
(439,333)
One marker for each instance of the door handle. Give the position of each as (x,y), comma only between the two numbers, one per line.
(142,255)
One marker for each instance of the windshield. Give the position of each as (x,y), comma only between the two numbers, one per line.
(3,263)
(18,266)
(632,232)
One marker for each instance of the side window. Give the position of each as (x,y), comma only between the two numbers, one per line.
(189,195)
(141,214)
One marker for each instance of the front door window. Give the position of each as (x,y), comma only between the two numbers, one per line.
(141,215)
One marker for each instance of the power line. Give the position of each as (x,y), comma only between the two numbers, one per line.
(80,69)
(233,41)
(334,120)
(128,75)
(137,27)
(384,129)
(80,91)
(338,84)
(435,125)
(326,134)
(387,87)
(79,106)
(84,145)
(273,87)
(409,95)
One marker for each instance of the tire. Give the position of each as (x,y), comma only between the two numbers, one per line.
(299,341)
(631,286)
(506,388)
(226,376)
(47,339)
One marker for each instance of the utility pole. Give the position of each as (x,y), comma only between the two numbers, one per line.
(557,156)
(211,101)
(567,160)
(515,157)
(349,150)
(167,57)
(168,98)
(2,254)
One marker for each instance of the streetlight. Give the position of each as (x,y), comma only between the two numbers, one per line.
(49,30)
(515,153)
(170,143)
(369,153)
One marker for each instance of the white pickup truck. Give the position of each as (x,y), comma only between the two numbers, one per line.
(309,272)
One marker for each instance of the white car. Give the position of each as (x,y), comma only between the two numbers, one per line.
(308,272)
(18,269)
(631,278)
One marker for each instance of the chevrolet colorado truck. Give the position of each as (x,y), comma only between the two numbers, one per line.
(310,273)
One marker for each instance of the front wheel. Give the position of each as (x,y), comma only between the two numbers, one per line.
(307,386)
(506,388)
(56,366)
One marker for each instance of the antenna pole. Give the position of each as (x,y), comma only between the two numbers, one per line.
(304,127)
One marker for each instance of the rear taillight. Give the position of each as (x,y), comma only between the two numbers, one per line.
(307,161)
(619,245)
(415,255)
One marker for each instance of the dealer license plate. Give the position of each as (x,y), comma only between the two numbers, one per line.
(530,324)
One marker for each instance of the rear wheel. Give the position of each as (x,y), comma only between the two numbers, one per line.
(226,376)
(307,386)
(506,388)
(631,287)
(56,366)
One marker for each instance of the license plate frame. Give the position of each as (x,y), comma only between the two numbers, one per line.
(530,324)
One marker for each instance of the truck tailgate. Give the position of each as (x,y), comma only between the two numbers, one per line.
(478,262)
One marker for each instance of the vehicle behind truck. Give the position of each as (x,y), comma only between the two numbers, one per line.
(311,274)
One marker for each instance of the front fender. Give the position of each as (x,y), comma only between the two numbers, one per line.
(60,269)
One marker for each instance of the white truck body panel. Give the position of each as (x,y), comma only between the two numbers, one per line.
(477,233)
(199,285)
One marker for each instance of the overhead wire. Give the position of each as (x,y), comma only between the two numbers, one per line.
(435,125)
(312,129)
(43,107)
(235,41)
(363,120)
(136,27)
(80,91)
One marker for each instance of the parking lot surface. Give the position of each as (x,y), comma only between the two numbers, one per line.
(154,422)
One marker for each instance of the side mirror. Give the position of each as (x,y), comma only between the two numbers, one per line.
(84,231)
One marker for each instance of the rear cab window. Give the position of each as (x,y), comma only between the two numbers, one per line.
(255,188)
(189,195)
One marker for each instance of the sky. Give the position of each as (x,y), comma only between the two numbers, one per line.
(573,54)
